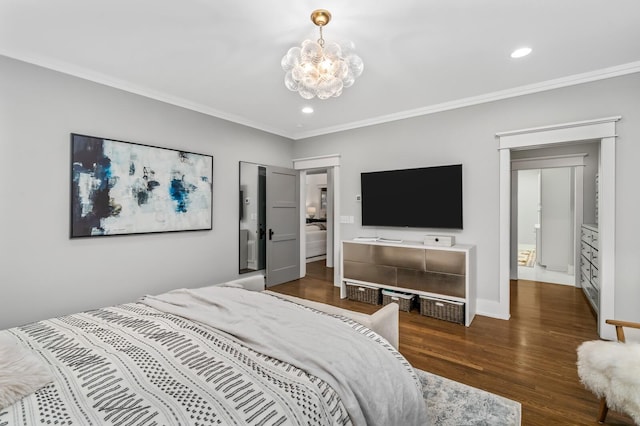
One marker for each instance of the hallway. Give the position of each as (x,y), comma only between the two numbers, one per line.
(535,272)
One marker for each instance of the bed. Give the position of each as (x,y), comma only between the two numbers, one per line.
(316,239)
(209,356)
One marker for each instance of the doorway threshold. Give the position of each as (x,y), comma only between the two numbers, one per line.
(540,274)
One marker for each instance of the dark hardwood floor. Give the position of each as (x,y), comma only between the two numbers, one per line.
(531,358)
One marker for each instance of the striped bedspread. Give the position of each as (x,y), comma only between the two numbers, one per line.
(135,365)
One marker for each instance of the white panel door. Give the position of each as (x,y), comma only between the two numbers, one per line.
(283,225)
(556,219)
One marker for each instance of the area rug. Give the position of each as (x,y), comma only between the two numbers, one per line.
(450,403)
(526,257)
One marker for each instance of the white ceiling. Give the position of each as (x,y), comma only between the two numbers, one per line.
(222,57)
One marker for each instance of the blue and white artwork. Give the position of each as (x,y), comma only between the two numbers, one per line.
(126,188)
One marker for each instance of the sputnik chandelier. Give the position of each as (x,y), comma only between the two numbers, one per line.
(315,69)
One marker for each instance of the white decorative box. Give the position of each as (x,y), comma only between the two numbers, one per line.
(439,240)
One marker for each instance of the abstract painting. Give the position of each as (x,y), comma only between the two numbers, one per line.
(127,188)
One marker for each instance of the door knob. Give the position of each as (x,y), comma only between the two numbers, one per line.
(270,233)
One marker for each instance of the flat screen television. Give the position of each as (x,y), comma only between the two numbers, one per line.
(427,197)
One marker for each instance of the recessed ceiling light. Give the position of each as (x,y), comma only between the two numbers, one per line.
(519,53)
(307,110)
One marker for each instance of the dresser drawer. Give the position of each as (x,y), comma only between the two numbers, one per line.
(595,276)
(446,262)
(585,250)
(401,257)
(369,272)
(595,257)
(584,280)
(585,267)
(586,235)
(593,294)
(589,235)
(354,252)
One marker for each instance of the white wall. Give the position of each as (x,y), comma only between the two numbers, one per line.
(42,272)
(528,202)
(467,136)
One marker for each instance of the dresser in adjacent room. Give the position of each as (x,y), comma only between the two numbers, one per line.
(589,265)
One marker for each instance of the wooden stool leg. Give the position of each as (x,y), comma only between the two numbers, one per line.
(604,409)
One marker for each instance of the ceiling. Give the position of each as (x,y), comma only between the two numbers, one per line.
(222,57)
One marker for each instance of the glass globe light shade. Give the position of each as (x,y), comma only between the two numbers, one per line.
(349,79)
(291,59)
(306,92)
(289,82)
(311,52)
(347,47)
(333,50)
(341,70)
(356,65)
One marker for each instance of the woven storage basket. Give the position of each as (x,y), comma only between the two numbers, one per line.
(363,293)
(404,300)
(442,309)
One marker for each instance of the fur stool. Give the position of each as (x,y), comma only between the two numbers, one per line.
(612,370)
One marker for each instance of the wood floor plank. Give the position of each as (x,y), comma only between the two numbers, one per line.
(531,358)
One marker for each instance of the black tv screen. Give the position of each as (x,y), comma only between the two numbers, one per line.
(428,197)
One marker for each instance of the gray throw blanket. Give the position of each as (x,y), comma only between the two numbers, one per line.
(376,384)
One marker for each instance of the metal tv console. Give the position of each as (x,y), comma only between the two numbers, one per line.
(446,273)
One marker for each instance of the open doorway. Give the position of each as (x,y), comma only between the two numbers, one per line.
(331,165)
(510,142)
(546,238)
(316,216)
(319,224)
(553,194)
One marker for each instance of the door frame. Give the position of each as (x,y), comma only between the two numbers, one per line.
(603,129)
(330,162)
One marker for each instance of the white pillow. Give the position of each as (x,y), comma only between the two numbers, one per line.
(21,371)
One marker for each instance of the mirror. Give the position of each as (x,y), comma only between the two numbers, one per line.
(253,212)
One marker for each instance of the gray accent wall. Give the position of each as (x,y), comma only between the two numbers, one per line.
(42,272)
(467,136)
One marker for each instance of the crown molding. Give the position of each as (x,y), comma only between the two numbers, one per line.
(96,77)
(602,74)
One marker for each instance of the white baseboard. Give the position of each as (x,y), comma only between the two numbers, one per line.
(492,309)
